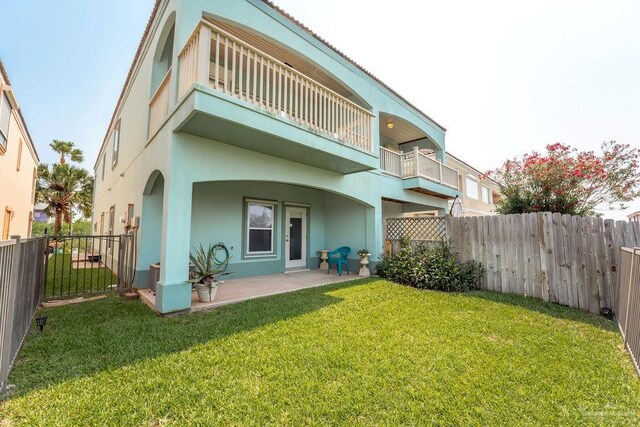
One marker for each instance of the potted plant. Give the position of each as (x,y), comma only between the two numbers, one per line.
(206,272)
(364,262)
(363,253)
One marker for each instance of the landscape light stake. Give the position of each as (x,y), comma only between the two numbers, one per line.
(41,321)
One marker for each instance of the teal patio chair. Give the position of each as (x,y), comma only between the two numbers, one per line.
(339,257)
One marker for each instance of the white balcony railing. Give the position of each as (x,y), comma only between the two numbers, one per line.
(159,105)
(227,64)
(417,164)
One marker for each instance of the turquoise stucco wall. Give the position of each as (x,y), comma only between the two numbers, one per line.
(217,216)
(210,179)
(333,221)
(150,231)
(261,18)
(344,209)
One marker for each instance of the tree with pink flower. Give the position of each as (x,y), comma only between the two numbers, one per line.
(569,181)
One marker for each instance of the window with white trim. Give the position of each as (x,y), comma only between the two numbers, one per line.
(104,163)
(486,195)
(116,144)
(5,118)
(260,227)
(471,187)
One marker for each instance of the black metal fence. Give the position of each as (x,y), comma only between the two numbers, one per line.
(83,265)
(21,279)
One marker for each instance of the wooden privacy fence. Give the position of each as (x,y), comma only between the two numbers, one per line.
(627,305)
(564,259)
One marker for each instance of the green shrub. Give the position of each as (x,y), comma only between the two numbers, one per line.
(433,267)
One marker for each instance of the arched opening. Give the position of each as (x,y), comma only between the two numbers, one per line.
(163,58)
(399,135)
(150,234)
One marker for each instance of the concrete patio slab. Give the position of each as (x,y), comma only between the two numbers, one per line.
(236,290)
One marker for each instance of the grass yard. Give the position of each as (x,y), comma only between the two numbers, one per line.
(359,353)
(64,281)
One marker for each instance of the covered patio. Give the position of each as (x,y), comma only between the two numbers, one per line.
(246,288)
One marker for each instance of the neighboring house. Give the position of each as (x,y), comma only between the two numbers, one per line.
(237,124)
(39,214)
(479,193)
(18,165)
(634,217)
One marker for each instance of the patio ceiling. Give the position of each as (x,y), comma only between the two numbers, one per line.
(401,131)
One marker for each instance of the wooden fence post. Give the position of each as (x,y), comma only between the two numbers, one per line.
(634,251)
(626,313)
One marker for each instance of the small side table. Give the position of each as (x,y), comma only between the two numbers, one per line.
(324,256)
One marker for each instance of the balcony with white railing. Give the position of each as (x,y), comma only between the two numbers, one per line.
(159,105)
(278,110)
(420,172)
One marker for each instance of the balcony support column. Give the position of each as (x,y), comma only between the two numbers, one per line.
(173,293)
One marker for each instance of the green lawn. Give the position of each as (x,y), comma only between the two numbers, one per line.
(360,353)
(63,281)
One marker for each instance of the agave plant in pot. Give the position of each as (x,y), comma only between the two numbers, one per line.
(207,270)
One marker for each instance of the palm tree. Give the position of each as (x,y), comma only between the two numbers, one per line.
(66,149)
(65,188)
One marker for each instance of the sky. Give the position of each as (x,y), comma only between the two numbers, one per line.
(504,77)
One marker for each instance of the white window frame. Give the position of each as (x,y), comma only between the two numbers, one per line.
(116,145)
(104,164)
(266,203)
(485,190)
(467,186)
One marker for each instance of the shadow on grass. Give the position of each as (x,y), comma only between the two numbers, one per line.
(550,309)
(87,338)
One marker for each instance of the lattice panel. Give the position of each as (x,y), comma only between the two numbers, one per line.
(422,228)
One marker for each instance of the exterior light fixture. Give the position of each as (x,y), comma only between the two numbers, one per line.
(41,321)
(390,125)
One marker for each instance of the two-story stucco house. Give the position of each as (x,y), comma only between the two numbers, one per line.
(18,165)
(479,194)
(237,124)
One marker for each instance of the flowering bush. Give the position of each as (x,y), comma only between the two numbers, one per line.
(569,181)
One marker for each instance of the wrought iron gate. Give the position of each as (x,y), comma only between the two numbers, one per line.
(83,265)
